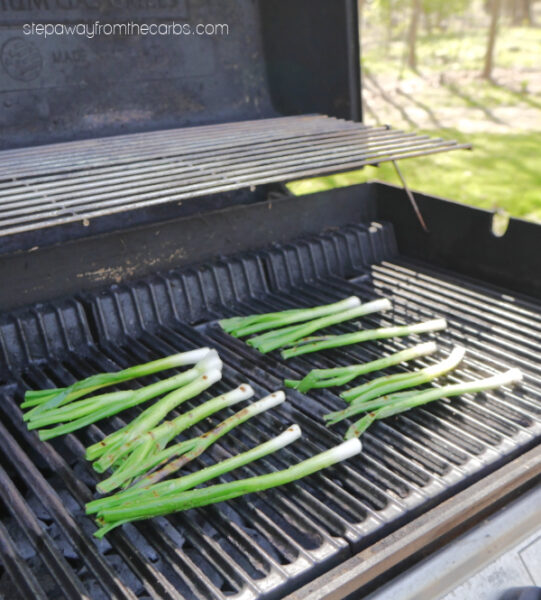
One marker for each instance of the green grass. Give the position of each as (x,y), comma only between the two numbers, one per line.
(502,172)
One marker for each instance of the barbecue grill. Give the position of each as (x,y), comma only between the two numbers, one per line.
(150,205)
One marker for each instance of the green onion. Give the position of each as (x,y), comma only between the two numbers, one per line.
(110,448)
(393,383)
(150,443)
(396,404)
(325,378)
(193,377)
(225,491)
(242,326)
(288,335)
(346,339)
(190,449)
(187,482)
(82,413)
(50,399)
(35,397)
(361,395)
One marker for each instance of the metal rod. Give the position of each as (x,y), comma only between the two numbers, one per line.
(410,196)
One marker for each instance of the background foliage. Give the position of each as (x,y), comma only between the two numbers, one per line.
(448,94)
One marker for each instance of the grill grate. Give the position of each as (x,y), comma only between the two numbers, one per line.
(267,544)
(70,182)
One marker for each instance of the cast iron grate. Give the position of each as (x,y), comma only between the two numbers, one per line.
(267,544)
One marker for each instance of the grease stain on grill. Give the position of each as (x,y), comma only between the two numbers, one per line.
(280,553)
(368,494)
(307,537)
(129,268)
(467,443)
(409,429)
(416,453)
(395,461)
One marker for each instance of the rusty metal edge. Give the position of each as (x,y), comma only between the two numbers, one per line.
(447,520)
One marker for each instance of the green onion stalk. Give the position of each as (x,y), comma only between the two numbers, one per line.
(110,449)
(336,341)
(373,394)
(156,468)
(191,480)
(289,335)
(44,400)
(113,517)
(243,326)
(82,413)
(338,376)
(398,403)
(153,441)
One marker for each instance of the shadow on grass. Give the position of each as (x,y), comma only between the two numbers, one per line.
(516,94)
(454,89)
(426,108)
(370,111)
(369,77)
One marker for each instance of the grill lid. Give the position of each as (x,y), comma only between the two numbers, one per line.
(258,60)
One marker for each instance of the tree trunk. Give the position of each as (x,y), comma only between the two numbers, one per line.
(495,7)
(527,13)
(521,12)
(515,12)
(412,34)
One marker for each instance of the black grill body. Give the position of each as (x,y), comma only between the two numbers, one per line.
(273,255)
(68,87)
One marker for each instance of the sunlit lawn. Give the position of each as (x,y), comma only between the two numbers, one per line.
(503,171)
